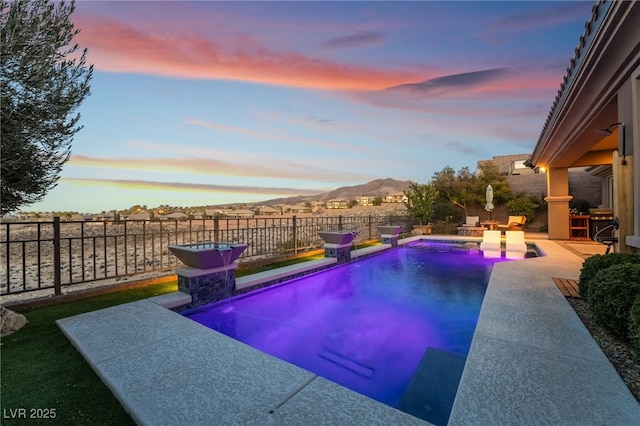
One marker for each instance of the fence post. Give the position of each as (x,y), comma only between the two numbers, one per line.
(216,228)
(339,222)
(57,280)
(295,236)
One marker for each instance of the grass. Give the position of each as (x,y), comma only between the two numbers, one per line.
(41,370)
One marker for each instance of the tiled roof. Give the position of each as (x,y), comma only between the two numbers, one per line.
(598,10)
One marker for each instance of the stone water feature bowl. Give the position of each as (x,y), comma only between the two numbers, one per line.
(208,255)
(338,237)
(390,229)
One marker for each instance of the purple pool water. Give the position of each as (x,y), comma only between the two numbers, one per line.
(366,324)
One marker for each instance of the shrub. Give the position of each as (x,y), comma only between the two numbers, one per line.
(445,228)
(527,206)
(579,206)
(593,264)
(612,295)
(447,213)
(634,327)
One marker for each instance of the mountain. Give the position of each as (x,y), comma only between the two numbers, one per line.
(379,187)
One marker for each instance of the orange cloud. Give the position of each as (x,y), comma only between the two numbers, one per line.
(179,186)
(117,47)
(214,167)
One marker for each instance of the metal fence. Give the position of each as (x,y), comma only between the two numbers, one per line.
(53,254)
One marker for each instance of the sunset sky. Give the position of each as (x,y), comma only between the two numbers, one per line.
(200,103)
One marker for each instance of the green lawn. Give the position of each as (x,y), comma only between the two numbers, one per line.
(43,374)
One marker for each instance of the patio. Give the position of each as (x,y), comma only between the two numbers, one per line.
(532,360)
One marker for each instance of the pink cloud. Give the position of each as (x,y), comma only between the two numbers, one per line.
(118,47)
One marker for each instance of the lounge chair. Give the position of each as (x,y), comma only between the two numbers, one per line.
(472,221)
(515,245)
(490,240)
(490,244)
(514,223)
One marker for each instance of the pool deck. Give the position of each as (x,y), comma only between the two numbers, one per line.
(532,361)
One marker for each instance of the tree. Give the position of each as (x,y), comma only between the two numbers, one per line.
(465,188)
(420,201)
(489,174)
(459,189)
(43,79)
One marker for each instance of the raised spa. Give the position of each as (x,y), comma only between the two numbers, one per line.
(208,255)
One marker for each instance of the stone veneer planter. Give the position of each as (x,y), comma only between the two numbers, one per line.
(337,244)
(210,274)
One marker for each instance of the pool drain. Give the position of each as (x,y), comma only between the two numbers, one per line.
(258,415)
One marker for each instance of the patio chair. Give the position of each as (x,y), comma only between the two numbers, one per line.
(515,245)
(514,223)
(472,221)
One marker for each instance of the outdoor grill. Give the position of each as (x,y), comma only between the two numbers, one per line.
(599,219)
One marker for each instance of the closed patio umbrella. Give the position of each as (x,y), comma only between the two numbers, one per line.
(489,196)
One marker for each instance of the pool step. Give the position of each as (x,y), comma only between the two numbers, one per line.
(433,388)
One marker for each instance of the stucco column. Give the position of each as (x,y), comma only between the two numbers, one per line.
(626,191)
(558,202)
(623,201)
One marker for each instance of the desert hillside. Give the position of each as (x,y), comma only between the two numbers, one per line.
(376,187)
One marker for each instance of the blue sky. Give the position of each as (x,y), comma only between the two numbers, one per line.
(200,103)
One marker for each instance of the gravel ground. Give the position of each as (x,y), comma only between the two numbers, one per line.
(618,352)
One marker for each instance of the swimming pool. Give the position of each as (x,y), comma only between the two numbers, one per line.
(366,324)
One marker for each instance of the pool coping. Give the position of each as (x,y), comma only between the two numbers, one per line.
(550,371)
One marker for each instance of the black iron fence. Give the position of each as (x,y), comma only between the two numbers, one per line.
(52,254)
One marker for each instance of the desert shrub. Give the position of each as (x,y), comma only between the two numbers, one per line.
(448,213)
(613,293)
(634,327)
(596,263)
(445,228)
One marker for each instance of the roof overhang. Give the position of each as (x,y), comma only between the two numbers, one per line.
(608,53)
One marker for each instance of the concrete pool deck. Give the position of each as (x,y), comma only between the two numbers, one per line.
(531,361)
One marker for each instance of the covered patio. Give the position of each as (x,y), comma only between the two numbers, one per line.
(594,122)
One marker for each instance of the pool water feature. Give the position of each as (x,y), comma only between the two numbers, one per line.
(366,325)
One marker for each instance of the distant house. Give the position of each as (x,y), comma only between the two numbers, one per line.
(104,216)
(242,213)
(366,200)
(211,213)
(337,204)
(398,197)
(509,164)
(269,211)
(177,216)
(139,216)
